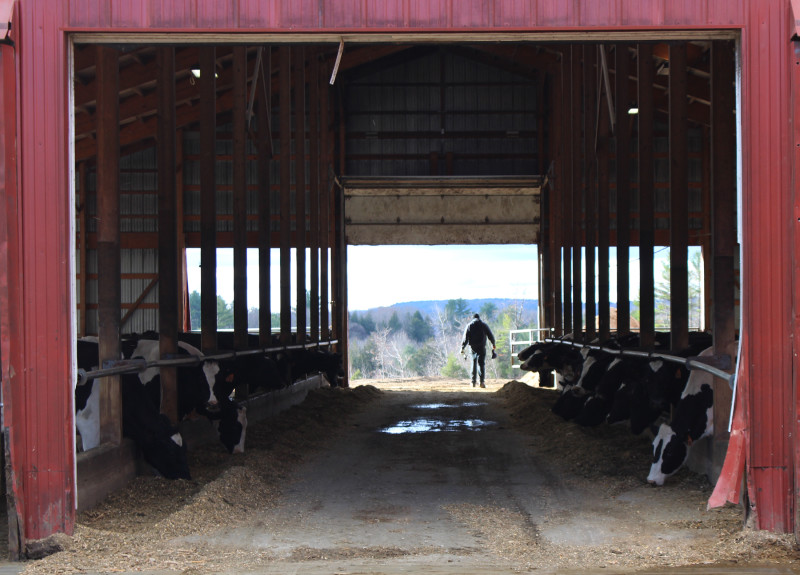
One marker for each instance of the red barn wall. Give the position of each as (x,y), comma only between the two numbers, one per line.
(41,382)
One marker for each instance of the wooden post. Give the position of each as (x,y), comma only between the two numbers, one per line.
(300,188)
(313,193)
(83,248)
(208,200)
(240,202)
(568,188)
(679,202)
(168,301)
(547,242)
(623,188)
(325,210)
(646,76)
(108,240)
(557,201)
(577,194)
(603,221)
(285,97)
(264,202)
(723,209)
(590,172)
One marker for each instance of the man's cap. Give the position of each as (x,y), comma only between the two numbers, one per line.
(476,316)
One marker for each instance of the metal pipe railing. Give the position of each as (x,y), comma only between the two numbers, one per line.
(123,366)
(688,362)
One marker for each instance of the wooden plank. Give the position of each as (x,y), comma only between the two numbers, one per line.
(208,203)
(646,72)
(590,162)
(326,152)
(184,315)
(723,225)
(240,203)
(299,86)
(576,104)
(557,201)
(623,187)
(567,211)
(679,197)
(109,293)
(603,217)
(83,238)
(167,231)
(264,205)
(285,98)
(313,193)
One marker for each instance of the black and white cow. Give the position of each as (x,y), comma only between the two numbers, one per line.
(204,388)
(693,419)
(159,441)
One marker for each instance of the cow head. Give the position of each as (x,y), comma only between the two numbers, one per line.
(669,453)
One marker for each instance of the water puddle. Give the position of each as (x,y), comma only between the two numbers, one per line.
(448,405)
(423,425)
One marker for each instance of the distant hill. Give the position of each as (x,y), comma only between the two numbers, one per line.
(428,308)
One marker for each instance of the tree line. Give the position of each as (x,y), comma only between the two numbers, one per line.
(413,345)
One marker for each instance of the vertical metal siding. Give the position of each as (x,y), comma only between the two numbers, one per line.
(9,281)
(44,384)
(398,15)
(767,265)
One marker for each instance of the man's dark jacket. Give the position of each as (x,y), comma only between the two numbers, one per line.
(475,335)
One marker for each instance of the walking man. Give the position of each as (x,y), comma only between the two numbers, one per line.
(475,335)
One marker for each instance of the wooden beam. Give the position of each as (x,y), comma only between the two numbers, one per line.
(285,173)
(240,203)
(623,188)
(136,305)
(326,152)
(208,203)
(109,290)
(646,71)
(567,204)
(679,200)
(168,300)
(558,198)
(723,213)
(590,176)
(603,217)
(264,203)
(313,193)
(83,209)
(578,216)
(299,85)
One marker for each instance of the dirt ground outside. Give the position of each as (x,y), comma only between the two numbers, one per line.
(423,475)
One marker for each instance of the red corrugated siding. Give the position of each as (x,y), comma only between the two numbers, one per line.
(399,15)
(766,273)
(42,388)
(9,271)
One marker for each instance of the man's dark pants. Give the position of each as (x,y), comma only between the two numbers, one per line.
(478,365)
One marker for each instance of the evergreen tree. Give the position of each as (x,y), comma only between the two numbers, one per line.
(457,313)
(394,323)
(224,314)
(194,309)
(418,328)
(488,311)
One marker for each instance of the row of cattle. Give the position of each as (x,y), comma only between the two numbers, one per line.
(205,388)
(601,387)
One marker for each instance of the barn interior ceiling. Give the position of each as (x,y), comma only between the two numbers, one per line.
(138,100)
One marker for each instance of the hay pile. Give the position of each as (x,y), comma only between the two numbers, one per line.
(148,525)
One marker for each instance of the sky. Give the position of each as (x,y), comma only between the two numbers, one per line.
(385,275)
